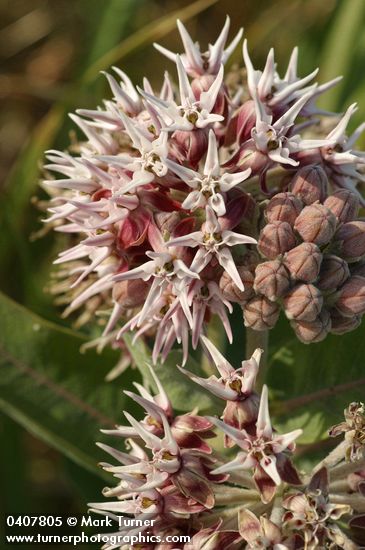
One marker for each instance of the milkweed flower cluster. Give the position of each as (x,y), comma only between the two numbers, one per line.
(164,200)
(221,188)
(173,474)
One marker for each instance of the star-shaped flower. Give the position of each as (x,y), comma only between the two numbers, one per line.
(278,93)
(189,113)
(263,451)
(149,164)
(197,63)
(213,242)
(209,188)
(277,139)
(260,533)
(232,384)
(313,516)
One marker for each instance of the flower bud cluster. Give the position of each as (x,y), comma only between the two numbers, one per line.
(313,247)
(256,499)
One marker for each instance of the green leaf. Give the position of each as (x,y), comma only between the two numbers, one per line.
(338,50)
(184,394)
(146,35)
(330,373)
(51,389)
(111,25)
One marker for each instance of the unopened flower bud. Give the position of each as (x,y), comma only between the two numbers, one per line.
(194,144)
(344,204)
(130,294)
(284,207)
(304,262)
(242,212)
(260,313)
(356,481)
(310,183)
(309,157)
(241,414)
(246,120)
(358,269)
(342,324)
(271,279)
(231,291)
(249,157)
(202,84)
(250,259)
(316,224)
(313,331)
(351,240)
(211,538)
(351,299)
(275,239)
(334,272)
(303,303)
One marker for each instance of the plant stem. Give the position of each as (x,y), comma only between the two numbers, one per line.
(217,336)
(302,400)
(258,339)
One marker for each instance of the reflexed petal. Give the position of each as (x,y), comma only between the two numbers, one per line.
(186,174)
(186,93)
(285,441)
(296,503)
(192,51)
(223,366)
(192,239)
(227,181)
(286,469)
(211,384)
(271,531)
(231,238)
(288,118)
(143,272)
(263,423)
(239,436)
(268,464)
(225,259)
(195,487)
(152,441)
(267,78)
(201,260)
(216,51)
(216,202)
(248,525)
(338,132)
(252,75)
(208,98)
(265,484)
(211,166)
(320,481)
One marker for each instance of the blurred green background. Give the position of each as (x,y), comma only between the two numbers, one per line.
(52,52)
